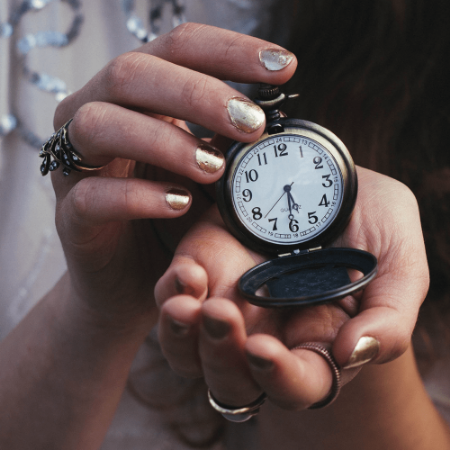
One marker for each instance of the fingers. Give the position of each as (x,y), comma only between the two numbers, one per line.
(209,339)
(144,82)
(210,344)
(177,76)
(184,276)
(104,131)
(95,201)
(225,54)
(386,222)
(221,344)
(178,334)
(291,379)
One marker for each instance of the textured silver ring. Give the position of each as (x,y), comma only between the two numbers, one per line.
(58,150)
(239,414)
(335,371)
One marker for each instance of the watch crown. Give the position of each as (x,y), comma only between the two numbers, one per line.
(270,98)
(268,92)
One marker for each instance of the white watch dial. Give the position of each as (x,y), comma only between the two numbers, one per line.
(287,189)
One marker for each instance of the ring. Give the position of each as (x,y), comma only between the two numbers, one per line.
(59,151)
(241,414)
(335,371)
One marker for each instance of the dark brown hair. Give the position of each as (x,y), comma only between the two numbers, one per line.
(375,73)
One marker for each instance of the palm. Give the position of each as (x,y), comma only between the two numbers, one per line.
(384,222)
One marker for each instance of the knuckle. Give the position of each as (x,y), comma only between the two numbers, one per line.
(87,123)
(81,198)
(180,36)
(400,346)
(121,71)
(62,113)
(195,90)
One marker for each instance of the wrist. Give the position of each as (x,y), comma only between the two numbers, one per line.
(123,320)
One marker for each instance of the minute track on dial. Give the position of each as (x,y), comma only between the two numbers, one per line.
(314,171)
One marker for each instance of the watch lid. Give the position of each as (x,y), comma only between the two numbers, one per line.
(310,278)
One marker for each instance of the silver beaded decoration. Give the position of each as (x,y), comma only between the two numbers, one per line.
(135,24)
(26,44)
(51,38)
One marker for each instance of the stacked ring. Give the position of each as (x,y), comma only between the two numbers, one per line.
(335,371)
(59,151)
(240,414)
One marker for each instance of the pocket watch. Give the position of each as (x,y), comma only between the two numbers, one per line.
(288,195)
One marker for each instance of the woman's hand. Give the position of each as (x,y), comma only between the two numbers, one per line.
(243,350)
(134,111)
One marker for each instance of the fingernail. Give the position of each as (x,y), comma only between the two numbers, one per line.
(177,198)
(245,115)
(365,351)
(178,328)
(183,288)
(259,363)
(217,329)
(208,158)
(274,59)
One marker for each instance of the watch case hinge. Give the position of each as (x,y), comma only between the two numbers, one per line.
(300,252)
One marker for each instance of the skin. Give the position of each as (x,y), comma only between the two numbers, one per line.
(393,236)
(395,412)
(68,360)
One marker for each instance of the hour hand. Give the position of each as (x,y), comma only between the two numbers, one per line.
(292,205)
(286,188)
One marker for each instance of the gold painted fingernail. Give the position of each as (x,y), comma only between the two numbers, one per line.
(245,115)
(209,159)
(366,349)
(177,199)
(274,59)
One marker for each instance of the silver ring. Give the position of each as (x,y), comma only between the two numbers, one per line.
(335,371)
(59,151)
(240,414)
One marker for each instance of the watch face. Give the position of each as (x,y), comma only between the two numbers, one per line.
(287,189)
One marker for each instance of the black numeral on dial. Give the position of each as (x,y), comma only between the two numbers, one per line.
(312,218)
(247,194)
(318,162)
(293,225)
(251,175)
(280,151)
(275,224)
(324,201)
(327,183)
(256,213)
(262,160)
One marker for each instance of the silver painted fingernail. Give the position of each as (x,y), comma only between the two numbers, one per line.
(365,351)
(208,158)
(177,198)
(245,115)
(274,59)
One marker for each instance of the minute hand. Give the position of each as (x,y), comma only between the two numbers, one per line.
(285,190)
